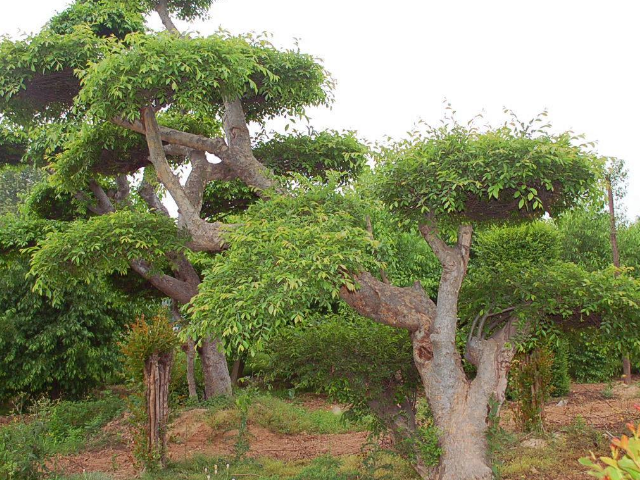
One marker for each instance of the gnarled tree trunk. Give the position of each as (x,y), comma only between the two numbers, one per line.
(460,406)
(157,375)
(215,370)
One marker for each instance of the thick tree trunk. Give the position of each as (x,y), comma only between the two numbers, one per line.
(237,370)
(215,370)
(157,375)
(190,350)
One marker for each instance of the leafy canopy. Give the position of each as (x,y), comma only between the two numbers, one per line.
(199,73)
(88,250)
(465,174)
(289,257)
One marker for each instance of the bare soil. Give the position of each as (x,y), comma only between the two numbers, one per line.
(189,433)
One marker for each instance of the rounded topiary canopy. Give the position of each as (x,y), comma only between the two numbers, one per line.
(104,17)
(498,174)
(197,74)
(13,143)
(37,74)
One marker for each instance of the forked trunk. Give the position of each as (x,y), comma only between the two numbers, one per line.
(157,375)
(214,370)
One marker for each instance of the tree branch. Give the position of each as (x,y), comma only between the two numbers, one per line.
(409,307)
(174,288)
(205,236)
(163,13)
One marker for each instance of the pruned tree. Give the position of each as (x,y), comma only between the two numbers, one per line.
(120,116)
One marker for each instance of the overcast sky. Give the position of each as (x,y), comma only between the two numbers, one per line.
(395,62)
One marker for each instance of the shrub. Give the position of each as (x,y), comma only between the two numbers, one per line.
(531,379)
(591,358)
(333,356)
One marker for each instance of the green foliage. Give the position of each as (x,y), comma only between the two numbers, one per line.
(333,355)
(48,203)
(624,462)
(585,238)
(37,74)
(592,358)
(88,250)
(290,257)
(531,377)
(146,337)
(198,73)
(52,428)
(458,172)
(103,17)
(16,183)
(560,378)
(12,143)
(23,450)
(63,349)
(183,9)
(311,155)
(524,245)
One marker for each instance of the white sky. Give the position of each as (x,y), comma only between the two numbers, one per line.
(395,62)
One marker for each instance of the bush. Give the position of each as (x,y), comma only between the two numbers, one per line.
(333,355)
(591,358)
(51,428)
(531,379)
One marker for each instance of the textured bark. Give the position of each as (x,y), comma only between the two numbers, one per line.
(157,375)
(460,407)
(215,370)
(190,350)
(237,371)
(163,13)
(205,236)
(403,307)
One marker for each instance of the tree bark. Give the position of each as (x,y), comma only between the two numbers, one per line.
(157,375)
(460,406)
(615,253)
(190,350)
(237,370)
(163,13)
(215,370)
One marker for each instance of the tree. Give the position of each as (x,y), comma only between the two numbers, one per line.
(106,103)
(318,248)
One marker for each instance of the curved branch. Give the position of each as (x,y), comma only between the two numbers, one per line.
(409,307)
(163,13)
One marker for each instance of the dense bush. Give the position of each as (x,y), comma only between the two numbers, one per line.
(560,378)
(592,359)
(65,349)
(531,379)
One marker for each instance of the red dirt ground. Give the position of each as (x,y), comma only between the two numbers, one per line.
(189,434)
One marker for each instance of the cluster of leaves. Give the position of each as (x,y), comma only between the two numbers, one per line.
(37,73)
(148,335)
(86,251)
(624,462)
(310,155)
(531,381)
(457,172)
(199,73)
(290,256)
(332,355)
(592,357)
(52,428)
(16,182)
(13,142)
(63,349)
(183,9)
(104,17)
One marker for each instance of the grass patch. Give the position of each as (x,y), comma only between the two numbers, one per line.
(280,416)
